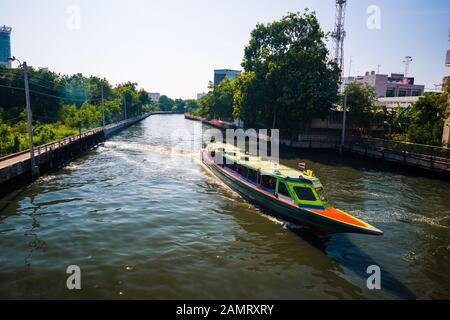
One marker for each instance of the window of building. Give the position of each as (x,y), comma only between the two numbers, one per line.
(416,93)
(390,93)
(305,194)
(283,190)
(402,93)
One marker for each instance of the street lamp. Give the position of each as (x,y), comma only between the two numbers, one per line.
(34,169)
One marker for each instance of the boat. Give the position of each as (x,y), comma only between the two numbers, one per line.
(219,124)
(294,195)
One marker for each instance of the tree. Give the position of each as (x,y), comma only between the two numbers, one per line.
(248,98)
(191,105)
(179,105)
(360,104)
(290,59)
(423,122)
(222,100)
(60,105)
(166,103)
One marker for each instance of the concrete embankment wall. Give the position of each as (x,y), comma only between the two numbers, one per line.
(112,130)
(16,169)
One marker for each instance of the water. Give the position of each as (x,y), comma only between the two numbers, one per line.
(144,221)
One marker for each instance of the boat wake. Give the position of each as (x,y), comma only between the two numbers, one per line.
(168,150)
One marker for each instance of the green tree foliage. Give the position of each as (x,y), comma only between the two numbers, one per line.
(180,105)
(423,122)
(248,98)
(191,105)
(288,79)
(294,79)
(222,100)
(360,104)
(61,105)
(165,103)
(218,103)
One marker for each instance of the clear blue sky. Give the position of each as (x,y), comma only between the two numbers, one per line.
(172,46)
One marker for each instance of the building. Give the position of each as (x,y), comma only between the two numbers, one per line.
(154,96)
(396,85)
(5,46)
(393,103)
(219,75)
(201,95)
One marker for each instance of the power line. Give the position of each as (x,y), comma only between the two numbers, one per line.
(49,95)
(59,81)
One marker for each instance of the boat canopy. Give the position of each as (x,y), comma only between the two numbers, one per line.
(264,167)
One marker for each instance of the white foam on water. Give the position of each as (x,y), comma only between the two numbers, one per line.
(195,157)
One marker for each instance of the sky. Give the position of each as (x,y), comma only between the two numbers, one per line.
(173,46)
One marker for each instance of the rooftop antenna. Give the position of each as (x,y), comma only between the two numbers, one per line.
(339,35)
(378,68)
(407,62)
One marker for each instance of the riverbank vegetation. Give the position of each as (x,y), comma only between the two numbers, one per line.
(167,104)
(423,122)
(61,106)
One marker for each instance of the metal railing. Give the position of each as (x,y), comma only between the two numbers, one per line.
(38,150)
(63,142)
(417,150)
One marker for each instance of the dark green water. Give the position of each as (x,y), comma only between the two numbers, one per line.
(144,224)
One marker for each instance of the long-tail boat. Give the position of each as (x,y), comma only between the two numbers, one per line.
(293,195)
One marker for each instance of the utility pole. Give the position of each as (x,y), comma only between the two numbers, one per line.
(34,171)
(344,121)
(103,110)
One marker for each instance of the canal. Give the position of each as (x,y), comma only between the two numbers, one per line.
(143,220)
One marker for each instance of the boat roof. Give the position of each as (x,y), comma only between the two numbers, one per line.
(265,167)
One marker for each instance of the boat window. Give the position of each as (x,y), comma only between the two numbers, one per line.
(305,194)
(268,182)
(283,190)
(243,171)
(253,175)
(321,192)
